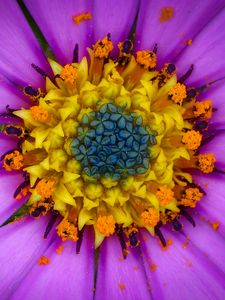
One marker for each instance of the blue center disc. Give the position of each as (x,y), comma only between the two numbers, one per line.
(112,143)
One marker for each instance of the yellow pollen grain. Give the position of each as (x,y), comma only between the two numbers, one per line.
(150,217)
(106,225)
(192,139)
(178,93)
(191,197)
(166,13)
(82,17)
(45,187)
(69,74)
(102,48)
(67,231)
(13,161)
(38,113)
(206,162)
(164,195)
(215,225)
(59,250)
(203,109)
(146,58)
(43,261)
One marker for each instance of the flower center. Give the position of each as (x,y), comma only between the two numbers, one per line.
(112,143)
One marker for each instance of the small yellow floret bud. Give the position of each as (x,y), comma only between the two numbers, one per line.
(45,188)
(39,113)
(150,217)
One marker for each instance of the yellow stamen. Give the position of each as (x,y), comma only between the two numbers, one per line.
(192,139)
(146,58)
(206,162)
(164,195)
(106,225)
(178,93)
(13,161)
(191,197)
(46,187)
(43,261)
(69,74)
(166,13)
(203,109)
(82,17)
(67,231)
(102,48)
(39,113)
(150,217)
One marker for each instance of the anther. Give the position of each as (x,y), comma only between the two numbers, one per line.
(120,234)
(170,68)
(187,216)
(176,225)
(51,223)
(155,49)
(32,93)
(186,75)
(38,211)
(80,240)
(178,93)
(146,58)
(76,54)
(160,236)
(133,238)
(12,129)
(22,190)
(13,161)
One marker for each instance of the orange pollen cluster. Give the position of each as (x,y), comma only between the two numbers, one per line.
(203,109)
(106,225)
(69,74)
(164,195)
(67,231)
(13,161)
(191,197)
(45,187)
(102,48)
(23,193)
(166,14)
(43,260)
(192,139)
(206,162)
(178,93)
(44,205)
(39,113)
(82,17)
(146,58)
(150,217)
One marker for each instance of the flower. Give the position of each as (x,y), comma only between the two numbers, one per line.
(190,265)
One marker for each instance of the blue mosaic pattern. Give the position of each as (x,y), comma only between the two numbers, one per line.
(113,143)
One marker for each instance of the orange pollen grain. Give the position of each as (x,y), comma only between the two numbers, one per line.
(150,217)
(46,187)
(206,162)
(82,17)
(106,225)
(166,13)
(13,161)
(39,113)
(146,58)
(102,48)
(191,197)
(178,93)
(164,195)
(67,231)
(203,109)
(69,74)
(215,225)
(43,261)
(192,139)
(153,267)
(59,250)
(121,286)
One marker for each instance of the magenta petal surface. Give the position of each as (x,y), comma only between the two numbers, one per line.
(68,276)
(118,278)
(115,17)
(206,53)
(19,47)
(21,245)
(182,272)
(189,19)
(55,21)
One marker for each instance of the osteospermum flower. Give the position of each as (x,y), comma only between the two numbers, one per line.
(112,150)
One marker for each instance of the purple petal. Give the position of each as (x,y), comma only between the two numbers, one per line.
(21,245)
(55,21)
(19,48)
(181,272)
(189,19)
(118,278)
(206,53)
(115,17)
(68,276)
